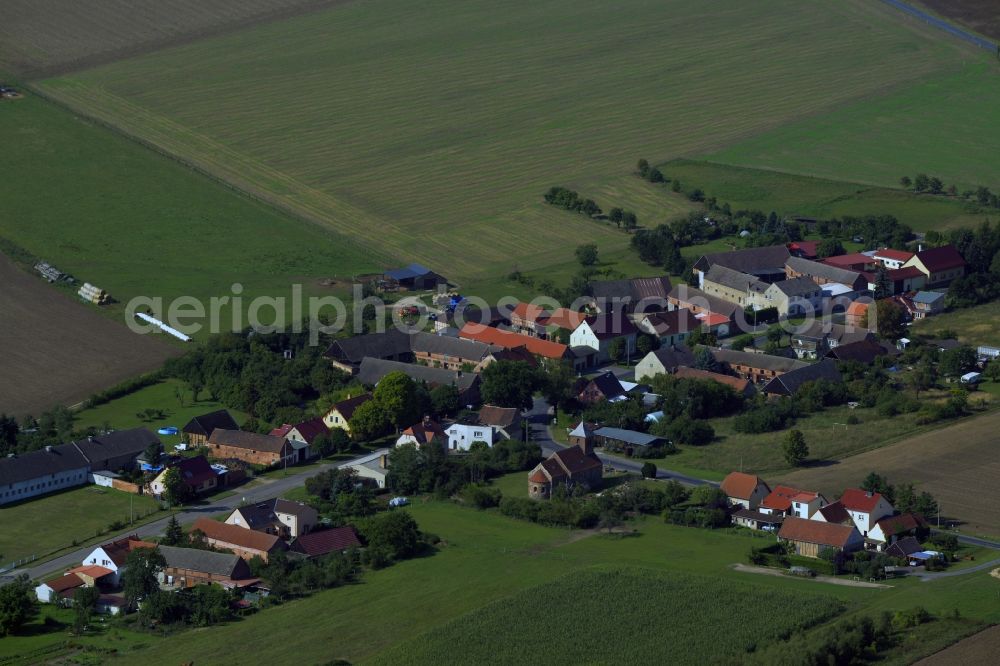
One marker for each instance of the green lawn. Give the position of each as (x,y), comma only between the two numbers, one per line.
(974,326)
(118,215)
(40,526)
(430,131)
(169,395)
(945,125)
(791,194)
(485,557)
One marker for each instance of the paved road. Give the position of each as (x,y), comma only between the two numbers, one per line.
(539,423)
(269,488)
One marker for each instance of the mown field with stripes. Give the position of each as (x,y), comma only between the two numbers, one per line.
(431,130)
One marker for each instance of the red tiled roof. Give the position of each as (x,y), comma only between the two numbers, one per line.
(195,471)
(64,582)
(857,308)
(538,476)
(895,255)
(855,499)
(502,417)
(118,550)
(346,407)
(529,312)
(508,340)
(804,497)
(311,429)
(321,542)
(282,431)
(900,524)
(835,513)
(846,260)
(780,498)
(808,249)
(904,273)
(91,570)
(814,531)
(565,318)
(237,536)
(737,384)
(575,460)
(941,258)
(426,431)
(740,485)
(711,319)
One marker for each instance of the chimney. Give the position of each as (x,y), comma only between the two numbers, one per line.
(920,247)
(383,461)
(427,420)
(868,493)
(48,447)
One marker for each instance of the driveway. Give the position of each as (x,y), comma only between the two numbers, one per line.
(539,423)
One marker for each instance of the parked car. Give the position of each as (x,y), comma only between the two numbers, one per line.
(398,501)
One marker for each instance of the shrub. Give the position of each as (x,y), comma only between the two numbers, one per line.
(481,497)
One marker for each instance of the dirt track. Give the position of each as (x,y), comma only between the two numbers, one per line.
(958,464)
(57,351)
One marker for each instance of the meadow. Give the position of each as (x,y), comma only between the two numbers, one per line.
(485,557)
(973,326)
(650,613)
(946,126)
(431,131)
(789,194)
(40,526)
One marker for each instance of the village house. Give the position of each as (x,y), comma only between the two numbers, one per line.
(789,383)
(424,433)
(372,371)
(821,273)
(450,353)
(865,508)
(505,421)
(803,249)
(324,542)
(856,315)
(346,354)
(810,537)
(53,468)
(561,323)
(251,447)
(340,413)
(187,567)
(941,265)
(635,295)
(528,319)
(796,296)
(897,281)
(671,327)
(244,542)
(301,436)
(756,368)
(278,516)
(545,349)
(789,501)
(744,490)
(892,259)
(663,361)
(113,555)
(605,386)
(199,429)
(61,589)
(927,304)
(575,465)
(599,334)
(733,286)
(194,472)
(764,263)
(862,351)
(890,529)
(815,339)
(699,302)
(374,467)
(855,261)
(463,433)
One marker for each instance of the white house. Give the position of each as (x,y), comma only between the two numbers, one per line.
(598,333)
(745,490)
(112,556)
(374,466)
(464,432)
(888,530)
(865,508)
(788,501)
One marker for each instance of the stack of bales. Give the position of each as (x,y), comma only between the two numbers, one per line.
(93,294)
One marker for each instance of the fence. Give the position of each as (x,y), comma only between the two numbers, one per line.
(941,24)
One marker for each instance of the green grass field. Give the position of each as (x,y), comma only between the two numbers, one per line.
(431,131)
(974,326)
(649,613)
(484,558)
(791,194)
(945,126)
(39,526)
(138,224)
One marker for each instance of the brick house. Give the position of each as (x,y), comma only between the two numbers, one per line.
(187,567)
(199,429)
(450,353)
(245,543)
(941,265)
(250,447)
(757,368)
(278,516)
(195,473)
(323,542)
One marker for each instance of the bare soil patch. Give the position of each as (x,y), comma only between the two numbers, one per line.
(958,464)
(54,350)
(983,16)
(980,648)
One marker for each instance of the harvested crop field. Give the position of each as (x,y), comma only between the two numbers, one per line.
(44,37)
(981,648)
(983,16)
(57,351)
(958,464)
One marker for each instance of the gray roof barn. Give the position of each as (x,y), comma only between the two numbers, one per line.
(43,462)
(373,370)
(790,382)
(755,260)
(205,561)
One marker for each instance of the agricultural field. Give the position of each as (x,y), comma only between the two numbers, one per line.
(41,526)
(979,15)
(957,464)
(672,608)
(979,649)
(135,223)
(791,194)
(946,125)
(40,37)
(430,131)
(56,350)
(973,326)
